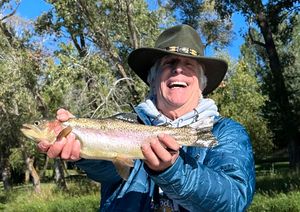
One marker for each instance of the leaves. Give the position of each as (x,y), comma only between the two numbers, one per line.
(240,98)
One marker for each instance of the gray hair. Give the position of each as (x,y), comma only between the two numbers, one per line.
(155,70)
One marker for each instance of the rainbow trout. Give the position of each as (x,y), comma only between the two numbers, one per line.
(115,139)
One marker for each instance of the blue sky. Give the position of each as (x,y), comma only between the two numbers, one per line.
(30,9)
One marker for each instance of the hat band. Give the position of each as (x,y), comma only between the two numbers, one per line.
(183,50)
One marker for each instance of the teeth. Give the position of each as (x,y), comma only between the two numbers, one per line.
(177,84)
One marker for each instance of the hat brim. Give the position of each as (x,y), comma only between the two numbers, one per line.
(142,59)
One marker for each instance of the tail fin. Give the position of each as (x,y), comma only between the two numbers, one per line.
(203,130)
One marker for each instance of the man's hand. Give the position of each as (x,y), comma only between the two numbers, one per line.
(67,148)
(161,152)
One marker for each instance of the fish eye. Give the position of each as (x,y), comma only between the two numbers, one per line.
(36,123)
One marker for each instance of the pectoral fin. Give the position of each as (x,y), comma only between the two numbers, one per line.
(123,166)
(65,132)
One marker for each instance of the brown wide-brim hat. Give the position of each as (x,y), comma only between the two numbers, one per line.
(180,40)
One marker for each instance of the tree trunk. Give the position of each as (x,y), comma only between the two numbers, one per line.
(43,171)
(59,174)
(34,174)
(6,176)
(27,176)
(281,94)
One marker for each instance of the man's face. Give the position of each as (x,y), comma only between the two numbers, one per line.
(177,85)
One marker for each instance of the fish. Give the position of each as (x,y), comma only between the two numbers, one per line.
(116,139)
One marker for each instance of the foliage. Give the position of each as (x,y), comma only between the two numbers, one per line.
(273,24)
(110,29)
(288,51)
(18,90)
(82,195)
(240,98)
(83,85)
(216,31)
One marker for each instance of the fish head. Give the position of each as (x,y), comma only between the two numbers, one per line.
(41,130)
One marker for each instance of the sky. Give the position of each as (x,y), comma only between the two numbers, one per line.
(31,9)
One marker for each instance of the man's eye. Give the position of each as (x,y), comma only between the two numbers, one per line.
(169,62)
(189,64)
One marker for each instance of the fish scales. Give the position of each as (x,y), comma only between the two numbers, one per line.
(116,140)
(120,138)
(109,139)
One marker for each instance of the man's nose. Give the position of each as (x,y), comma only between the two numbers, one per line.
(178,68)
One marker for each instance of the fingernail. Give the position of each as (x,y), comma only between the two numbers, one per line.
(73,157)
(145,146)
(153,141)
(161,135)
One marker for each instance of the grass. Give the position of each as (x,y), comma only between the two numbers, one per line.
(277,189)
(280,202)
(82,195)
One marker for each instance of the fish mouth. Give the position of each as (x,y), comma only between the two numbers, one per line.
(26,127)
(177,84)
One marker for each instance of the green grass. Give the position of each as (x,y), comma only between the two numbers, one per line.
(277,189)
(281,202)
(81,195)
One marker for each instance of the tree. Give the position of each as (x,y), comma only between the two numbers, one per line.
(240,97)
(267,16)
(112,29)
(18,79)
(288,51)
(20,99)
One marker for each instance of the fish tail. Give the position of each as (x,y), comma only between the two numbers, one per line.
(203,130)
(205,138)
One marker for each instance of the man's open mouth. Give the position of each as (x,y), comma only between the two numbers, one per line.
(177,85)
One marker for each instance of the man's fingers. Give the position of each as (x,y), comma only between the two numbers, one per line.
(149,155)
(71,150)
(75,155)
(55,150)
(43,146)
(63,115)
(67,149)
(169,142)
(160,151)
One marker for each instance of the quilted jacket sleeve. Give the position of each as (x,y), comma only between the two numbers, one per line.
(224,181)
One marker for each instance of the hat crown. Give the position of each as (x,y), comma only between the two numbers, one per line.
(182,36)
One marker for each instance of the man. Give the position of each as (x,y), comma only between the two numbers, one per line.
(190,178)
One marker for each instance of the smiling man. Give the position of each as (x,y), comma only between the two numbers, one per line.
(177,86)
(174,178)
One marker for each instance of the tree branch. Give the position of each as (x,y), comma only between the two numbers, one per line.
(11,14)
(131,27)
(255,41)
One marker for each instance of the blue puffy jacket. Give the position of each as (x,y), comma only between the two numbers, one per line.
(202,179)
